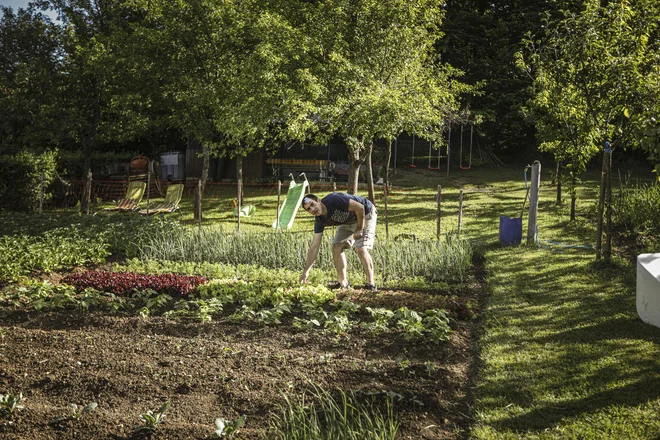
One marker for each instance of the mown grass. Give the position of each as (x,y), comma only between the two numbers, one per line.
(563,353)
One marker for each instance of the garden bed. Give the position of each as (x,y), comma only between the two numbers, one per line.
(128,365)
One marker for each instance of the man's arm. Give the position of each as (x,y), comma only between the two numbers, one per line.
(358,209)
(312,253)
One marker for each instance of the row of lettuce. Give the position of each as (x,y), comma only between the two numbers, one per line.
(179,296)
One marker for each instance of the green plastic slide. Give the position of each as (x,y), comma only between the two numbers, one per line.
(289,208)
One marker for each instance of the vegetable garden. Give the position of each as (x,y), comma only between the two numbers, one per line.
(121,326)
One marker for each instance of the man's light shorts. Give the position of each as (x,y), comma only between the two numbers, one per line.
(345,233)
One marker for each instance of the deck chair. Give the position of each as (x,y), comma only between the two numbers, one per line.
(172,199)
(130,202)
(292,202)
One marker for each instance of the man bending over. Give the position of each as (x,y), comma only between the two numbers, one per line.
(355,218)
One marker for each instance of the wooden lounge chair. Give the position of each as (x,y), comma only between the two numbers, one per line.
(130,202)
(170,204)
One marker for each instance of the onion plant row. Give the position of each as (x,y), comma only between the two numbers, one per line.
(448,259)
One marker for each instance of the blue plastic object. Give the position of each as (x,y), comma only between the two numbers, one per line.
(510,230)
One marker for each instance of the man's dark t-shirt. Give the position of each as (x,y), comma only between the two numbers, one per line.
(338,213)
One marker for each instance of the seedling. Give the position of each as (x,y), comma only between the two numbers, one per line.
(10,403)
(76,412)
(227,428)
(151,420)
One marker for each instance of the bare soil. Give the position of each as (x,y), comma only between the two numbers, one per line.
(129,365)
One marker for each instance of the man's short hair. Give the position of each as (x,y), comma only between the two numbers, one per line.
(308,198)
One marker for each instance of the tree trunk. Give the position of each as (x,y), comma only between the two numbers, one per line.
(559,179)
(354,148)
(206,155)
(601,207)
(573,196)
(370,173)
(386,185)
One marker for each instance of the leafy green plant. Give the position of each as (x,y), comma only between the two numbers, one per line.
(410,324)
(10,403)
(436,325)
(227,428)
(151,420)
(76,412)
(380,320)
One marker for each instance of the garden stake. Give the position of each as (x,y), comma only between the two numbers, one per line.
(437,232)
(41,194)
(199,203)
(460,211)
(89,189)
(279,195)
(148,189)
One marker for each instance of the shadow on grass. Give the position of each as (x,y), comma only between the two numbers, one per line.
(566,340)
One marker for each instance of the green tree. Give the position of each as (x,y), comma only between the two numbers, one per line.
(373,65)
(590,75)
(30,54)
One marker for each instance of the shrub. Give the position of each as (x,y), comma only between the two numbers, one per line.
(20,179)
(124,283)
(638,207)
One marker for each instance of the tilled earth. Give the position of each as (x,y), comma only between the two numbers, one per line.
(129,365)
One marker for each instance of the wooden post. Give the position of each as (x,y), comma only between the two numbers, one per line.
(448,149)
(89,190)
(239,178)
(41,194)
(460,211)
(148,189)
(601,209)
(607,251)
(535,183)
(279,195)
(439,196)
(199,203)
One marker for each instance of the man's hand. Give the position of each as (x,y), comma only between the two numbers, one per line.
(357,234)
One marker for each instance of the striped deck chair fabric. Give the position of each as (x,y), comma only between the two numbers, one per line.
(130,202)
(170,204)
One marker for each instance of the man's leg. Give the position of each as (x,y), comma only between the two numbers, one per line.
(339,259)
(343,240)
(365,243)
(367,264)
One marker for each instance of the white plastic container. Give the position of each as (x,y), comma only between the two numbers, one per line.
(648,288)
